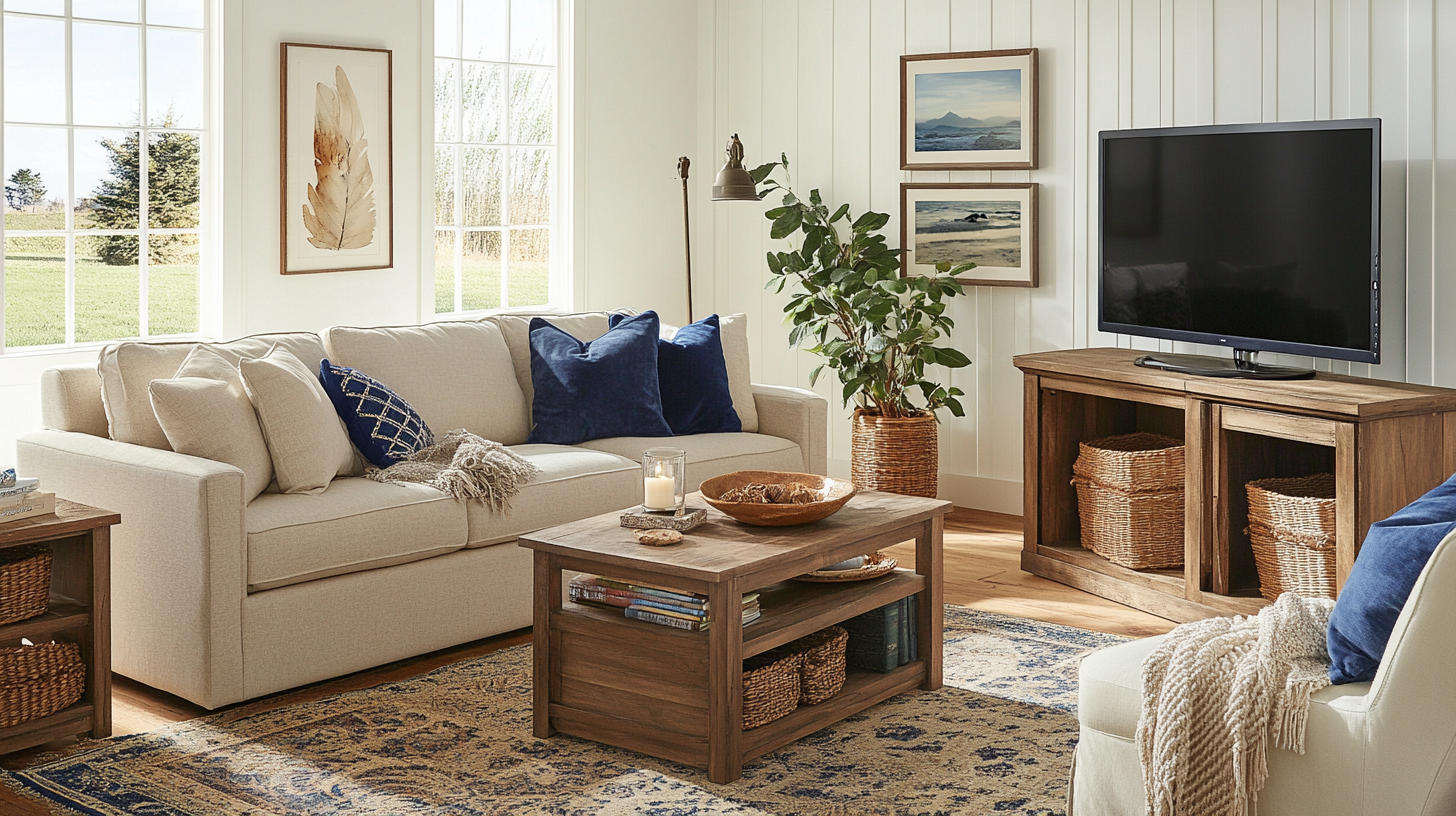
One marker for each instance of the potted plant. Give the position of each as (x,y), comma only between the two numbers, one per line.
(876,330)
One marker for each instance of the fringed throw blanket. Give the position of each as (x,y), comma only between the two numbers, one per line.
(1215,692)
(465,466)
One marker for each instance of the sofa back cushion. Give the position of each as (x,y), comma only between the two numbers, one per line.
(305,437)
(455,374)
(206,412)
(585,326)
(127,370)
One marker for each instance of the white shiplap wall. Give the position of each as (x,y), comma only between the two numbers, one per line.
(819,80)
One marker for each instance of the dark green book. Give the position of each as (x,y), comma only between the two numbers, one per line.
(874,639)
(906,624)
(914,618)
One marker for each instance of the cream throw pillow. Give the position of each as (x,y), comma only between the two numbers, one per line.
(205,412)
(305,436)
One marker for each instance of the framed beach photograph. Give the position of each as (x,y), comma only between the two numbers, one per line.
(990,225)
(337,159)
(970,110)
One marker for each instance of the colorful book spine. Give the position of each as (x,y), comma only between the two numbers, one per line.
(667,607)
(666,620)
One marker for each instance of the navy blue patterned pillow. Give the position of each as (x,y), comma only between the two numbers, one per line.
(380,423)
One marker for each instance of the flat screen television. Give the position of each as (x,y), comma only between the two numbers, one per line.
(1261,237)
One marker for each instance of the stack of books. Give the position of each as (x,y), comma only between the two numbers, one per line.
(22,498)
(654,604)
(884,638)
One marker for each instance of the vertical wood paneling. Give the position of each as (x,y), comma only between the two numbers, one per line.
(745,219)
(1419,224)
(1444,199)
(1238,55)
(779,80)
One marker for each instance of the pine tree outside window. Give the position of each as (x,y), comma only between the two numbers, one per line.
(104,110)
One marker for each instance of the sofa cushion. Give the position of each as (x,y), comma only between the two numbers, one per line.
(127,369)
(693,380)
(383,427)
(516,330)
(305,436)
(592,390)
(457,374)
(205,412)
(587,481)
(1110,687)
(712,455)
(354,525)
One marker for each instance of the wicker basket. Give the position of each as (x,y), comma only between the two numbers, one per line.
(1292,530)
(25,582)
(821,675)
(1130,499)
(770,687)
(38,681)
(895,455)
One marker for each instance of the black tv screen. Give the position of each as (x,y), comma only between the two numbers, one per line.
(1255,237)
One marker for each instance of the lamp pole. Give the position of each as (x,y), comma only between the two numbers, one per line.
(682,173)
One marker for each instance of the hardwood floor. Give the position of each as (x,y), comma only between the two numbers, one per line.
(982,571)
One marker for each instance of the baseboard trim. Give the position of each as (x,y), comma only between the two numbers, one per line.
(974,492)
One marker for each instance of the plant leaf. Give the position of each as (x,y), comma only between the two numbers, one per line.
(340,211)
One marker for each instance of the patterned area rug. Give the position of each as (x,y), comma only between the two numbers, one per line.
(997,738)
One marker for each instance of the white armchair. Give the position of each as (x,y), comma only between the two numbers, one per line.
(1384,748)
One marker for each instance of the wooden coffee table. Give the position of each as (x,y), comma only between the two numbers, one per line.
(679,695)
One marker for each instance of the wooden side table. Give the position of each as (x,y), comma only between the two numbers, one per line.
(80,612)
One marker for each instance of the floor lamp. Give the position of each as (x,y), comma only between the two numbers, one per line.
(732,184)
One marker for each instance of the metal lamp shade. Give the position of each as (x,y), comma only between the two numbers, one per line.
(734,184)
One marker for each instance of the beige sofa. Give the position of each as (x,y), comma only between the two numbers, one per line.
(218,601)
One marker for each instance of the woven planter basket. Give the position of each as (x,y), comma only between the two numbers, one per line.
(894,455)
(25,582)
(1292,532)
(37,681)
(1130,499)
(770,687)
(821,675)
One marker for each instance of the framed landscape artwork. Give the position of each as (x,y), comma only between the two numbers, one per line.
(990,225)
(337,163)
(971,110)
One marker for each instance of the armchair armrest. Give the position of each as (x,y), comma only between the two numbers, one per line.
(797,415)
(177,575)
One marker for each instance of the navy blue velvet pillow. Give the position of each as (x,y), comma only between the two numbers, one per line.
(381,424)
(1391,559)
(607,387)
(693,380)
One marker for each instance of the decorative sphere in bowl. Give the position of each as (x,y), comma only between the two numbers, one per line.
(832,495)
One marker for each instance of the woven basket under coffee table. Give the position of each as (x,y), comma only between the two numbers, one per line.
(1292,532)
(770,687)
(1130,499)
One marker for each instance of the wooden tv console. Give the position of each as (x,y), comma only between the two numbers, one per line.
(1386,443)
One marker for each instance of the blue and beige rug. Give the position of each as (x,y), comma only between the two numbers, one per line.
(998,738)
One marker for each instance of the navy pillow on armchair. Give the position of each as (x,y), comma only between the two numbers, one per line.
(604,388)
(693,380)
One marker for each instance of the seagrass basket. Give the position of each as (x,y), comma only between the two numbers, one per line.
(1292,532)
(25,582)
(821,675)
(37,681)
(1130,499)
(897,455)
(770,687)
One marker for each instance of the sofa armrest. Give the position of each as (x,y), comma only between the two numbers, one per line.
(177,576)
(797,415)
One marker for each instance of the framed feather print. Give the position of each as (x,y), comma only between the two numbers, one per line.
(337,158)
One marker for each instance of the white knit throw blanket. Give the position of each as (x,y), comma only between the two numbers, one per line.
(465,466)
(1214,693)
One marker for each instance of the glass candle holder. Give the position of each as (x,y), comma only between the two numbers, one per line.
(664,482)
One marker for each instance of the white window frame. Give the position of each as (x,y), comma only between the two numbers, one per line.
(208,315)
(560,296)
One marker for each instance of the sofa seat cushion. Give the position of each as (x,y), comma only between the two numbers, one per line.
(1110,687)
(714,454)
(354,525)
(573,483)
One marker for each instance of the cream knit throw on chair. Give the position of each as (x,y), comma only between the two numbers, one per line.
(1215,692)
(465,466)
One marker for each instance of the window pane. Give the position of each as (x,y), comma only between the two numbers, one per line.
(482,99)
(445,185)
(447,28)
(444,271)
(533,105)
(533,31)
(172,180)
(107,87)
(35,291)
(37,6)
(186,13)
(122,10)
(484,26)
(530,267)
(35,70)
(107,183)
(447,111)
(172,284)
(174,78)
(480,278)
(481,179)
(108,288)
(35,178)
(530,186)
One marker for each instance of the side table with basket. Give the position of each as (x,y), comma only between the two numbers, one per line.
(55,626)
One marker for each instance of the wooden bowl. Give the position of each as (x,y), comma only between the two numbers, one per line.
(835,492)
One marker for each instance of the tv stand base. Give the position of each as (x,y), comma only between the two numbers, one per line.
(1242,366)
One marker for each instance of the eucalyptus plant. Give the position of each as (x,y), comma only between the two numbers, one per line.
(875,329)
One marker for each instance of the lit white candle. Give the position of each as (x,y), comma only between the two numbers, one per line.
(659,491)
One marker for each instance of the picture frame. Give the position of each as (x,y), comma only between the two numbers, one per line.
(336,149)
(969,110)
(1001,233)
